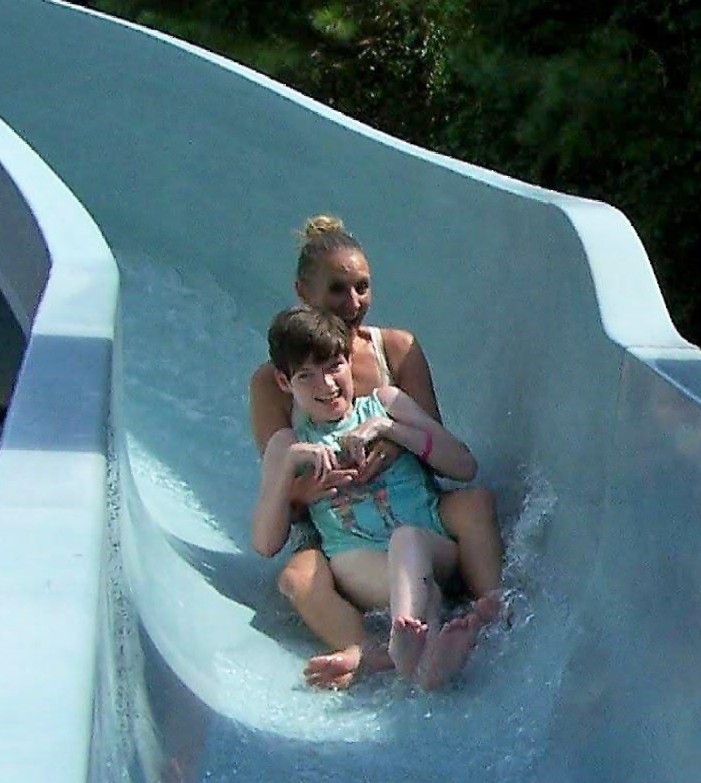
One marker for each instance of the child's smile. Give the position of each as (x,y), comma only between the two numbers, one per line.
(334,395)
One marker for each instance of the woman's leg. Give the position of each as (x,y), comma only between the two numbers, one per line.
(469,516)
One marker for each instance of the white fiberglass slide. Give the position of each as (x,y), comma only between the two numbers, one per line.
(145,640)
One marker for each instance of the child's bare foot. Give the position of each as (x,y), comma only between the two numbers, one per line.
(340,669)
(406,643)
(447,652)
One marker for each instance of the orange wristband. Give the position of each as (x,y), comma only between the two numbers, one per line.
(428,446)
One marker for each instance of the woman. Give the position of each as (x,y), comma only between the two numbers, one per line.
(333,274)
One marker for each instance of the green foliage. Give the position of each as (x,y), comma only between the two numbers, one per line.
(608,109)
(597,99)
(381,61)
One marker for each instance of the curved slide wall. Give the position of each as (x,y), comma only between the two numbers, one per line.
(60,279)
(553,355)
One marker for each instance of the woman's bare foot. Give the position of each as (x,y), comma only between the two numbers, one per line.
(406,643)
(340,669)
(488,607)
(446,653)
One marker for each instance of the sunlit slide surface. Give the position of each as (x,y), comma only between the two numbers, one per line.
(144,640)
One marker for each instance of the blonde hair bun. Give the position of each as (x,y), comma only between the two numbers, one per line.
(322,224)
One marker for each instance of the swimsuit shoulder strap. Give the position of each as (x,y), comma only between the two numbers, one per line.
(378,345)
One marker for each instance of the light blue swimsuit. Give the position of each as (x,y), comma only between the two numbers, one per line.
(363,516)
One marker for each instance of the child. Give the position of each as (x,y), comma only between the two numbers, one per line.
(384,539)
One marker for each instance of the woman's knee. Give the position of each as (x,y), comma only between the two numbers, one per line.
(482,501)
(466,506)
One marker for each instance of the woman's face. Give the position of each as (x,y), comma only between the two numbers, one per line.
(341,285)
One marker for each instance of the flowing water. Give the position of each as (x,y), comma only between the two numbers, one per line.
(188,354)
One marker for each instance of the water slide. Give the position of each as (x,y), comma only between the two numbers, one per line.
(148,194)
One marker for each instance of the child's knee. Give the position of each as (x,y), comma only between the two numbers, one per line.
(303,576)
(406,537)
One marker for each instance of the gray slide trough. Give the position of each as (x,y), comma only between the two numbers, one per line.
(148,196)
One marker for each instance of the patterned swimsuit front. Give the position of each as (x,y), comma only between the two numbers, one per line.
(303,534)
(364,516)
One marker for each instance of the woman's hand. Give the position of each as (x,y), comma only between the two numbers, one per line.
(323,479)
(381,455)
(356,443)
(359,443)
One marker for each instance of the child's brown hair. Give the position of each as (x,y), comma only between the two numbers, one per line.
(303,333)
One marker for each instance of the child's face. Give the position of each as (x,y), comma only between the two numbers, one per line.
(323,391)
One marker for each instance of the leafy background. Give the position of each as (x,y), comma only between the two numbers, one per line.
(590,98)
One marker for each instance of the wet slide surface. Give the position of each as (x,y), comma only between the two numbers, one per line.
(197,174)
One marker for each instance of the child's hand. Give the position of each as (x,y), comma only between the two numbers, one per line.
(322,458)
(307,489)
(357,442)
(381,454)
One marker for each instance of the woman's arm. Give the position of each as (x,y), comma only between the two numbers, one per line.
(410,369)
(411,427)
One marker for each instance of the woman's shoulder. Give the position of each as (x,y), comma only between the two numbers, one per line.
(263,381)
(264,385)
(399,345)
(270,407)
(397,341)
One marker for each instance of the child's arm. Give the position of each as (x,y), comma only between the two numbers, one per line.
(411,427)
(283,455)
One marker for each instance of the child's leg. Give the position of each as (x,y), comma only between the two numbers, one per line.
(417,559)
(362,576)
(468,515)
(307,582)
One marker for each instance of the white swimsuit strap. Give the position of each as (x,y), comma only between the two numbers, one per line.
(378,345)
